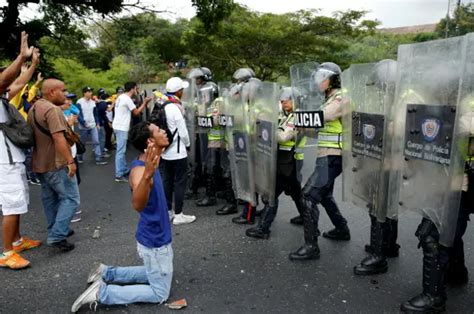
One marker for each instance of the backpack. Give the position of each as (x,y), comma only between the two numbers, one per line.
(158,117)
(18,131)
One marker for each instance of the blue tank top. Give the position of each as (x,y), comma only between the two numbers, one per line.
(154,228)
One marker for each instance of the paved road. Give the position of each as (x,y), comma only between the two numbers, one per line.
(217,268)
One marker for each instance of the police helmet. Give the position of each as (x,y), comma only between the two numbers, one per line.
(385,74)
(243,75)
(195,73)
(289,93)
(250,89)
(327,70)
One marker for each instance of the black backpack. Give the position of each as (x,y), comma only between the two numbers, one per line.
(158,117)
(18,131)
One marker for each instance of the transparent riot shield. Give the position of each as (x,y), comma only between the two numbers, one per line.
(308,102)
(238,135)
(152,89)
(367,148)
(427,114)
(190,118)
(205,95)
(264,108)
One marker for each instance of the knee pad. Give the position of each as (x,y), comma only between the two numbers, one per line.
(428,235)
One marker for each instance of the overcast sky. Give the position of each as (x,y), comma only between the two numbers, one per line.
(392,13)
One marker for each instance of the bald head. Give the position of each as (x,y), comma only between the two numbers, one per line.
(53,91)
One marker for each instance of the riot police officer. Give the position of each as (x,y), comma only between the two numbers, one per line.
(289,151)
(370,90)
(246,84)
(319,187)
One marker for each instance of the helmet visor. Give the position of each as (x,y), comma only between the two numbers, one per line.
(321,75)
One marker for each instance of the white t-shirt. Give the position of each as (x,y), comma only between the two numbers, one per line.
(175,120)
(17,153)
(87,107)
(123,112)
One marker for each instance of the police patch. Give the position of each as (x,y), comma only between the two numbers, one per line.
(265,135)
(369,131)
(430,128)
(241,143)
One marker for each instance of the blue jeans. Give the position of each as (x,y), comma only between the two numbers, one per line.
(94,133)
(150,283)
(60,197)
(102,140)
(121,167)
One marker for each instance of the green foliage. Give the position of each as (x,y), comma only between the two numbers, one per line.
(462,22)
(76,75)
(270,43)
(213,12)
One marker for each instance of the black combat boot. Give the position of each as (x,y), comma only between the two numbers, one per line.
(262,231)
(375,262)
(435,258)
(210,198)
(390,246)
(433,297)
(247,217)
(298,220)
(257,232)
(338,234)
(231,206)
(310,249)
(227,209)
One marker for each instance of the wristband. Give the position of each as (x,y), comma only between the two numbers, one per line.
(70,162)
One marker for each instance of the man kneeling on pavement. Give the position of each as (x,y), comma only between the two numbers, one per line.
(150,283)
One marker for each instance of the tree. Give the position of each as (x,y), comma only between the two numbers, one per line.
(462,22)
(270,43)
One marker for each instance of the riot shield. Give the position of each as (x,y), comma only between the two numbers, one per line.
(426,118)
(190,118)
(367,146)
(205,95)
(307,102)
(238,135)
(264,109)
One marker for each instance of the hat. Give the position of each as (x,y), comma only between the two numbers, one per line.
(174,84)
(71,95)
(119,90)
(100,91)
(87,89)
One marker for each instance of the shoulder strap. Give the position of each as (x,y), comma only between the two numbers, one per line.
(40,127)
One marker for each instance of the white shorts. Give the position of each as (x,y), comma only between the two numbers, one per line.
(14,193)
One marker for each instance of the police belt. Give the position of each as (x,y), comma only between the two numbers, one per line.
(330,138)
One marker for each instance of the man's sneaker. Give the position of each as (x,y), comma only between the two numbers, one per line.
(80,161)
(106,155)
(101,162)
(26,244)
(62,246)
(180,219)
(78,212)
(76,218)
(96,274)
(13,260)
(121,179)
(34,181)
(90,296)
